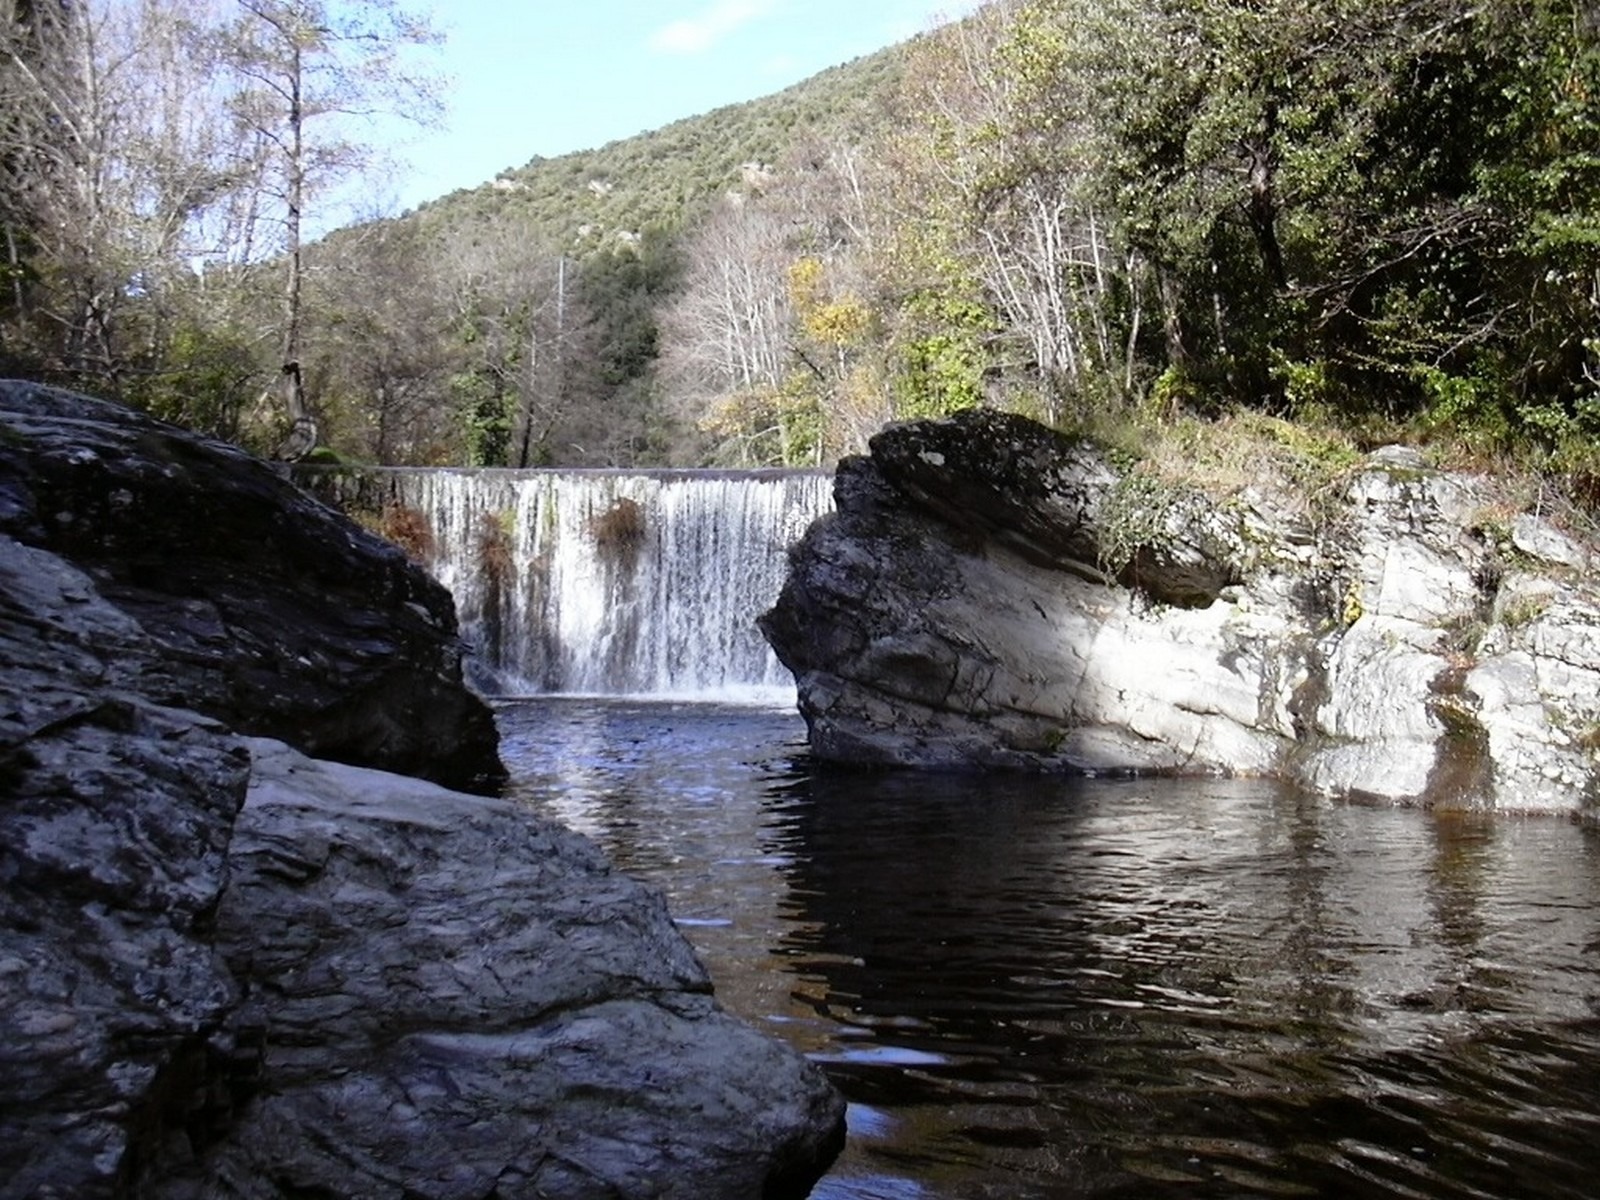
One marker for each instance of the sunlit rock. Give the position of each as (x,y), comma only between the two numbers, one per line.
(992,594)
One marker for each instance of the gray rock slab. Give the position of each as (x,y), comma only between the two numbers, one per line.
(456,998)
(953,613)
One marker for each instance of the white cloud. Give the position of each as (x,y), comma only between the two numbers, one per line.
(696,34)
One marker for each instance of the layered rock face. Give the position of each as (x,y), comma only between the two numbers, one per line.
(229,969)
(992,594)
(115,819)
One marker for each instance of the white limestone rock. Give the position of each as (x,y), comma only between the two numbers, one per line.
(1539,539)
(954,613)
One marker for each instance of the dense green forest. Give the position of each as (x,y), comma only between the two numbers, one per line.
(1374,217)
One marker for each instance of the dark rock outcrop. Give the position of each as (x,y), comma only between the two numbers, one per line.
(991,594)
(275,615)
(228,969)
(115,818)
(452,998)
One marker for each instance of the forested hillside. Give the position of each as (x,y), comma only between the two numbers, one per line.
(1376,216)
(565,270)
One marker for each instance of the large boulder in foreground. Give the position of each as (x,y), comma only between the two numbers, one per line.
(275,615)
(450,997)
(992,594)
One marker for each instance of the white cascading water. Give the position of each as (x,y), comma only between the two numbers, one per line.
(616,583)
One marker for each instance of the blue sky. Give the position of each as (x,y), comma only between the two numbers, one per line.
(547,77)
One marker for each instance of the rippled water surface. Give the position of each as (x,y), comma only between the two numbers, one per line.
(1036,988)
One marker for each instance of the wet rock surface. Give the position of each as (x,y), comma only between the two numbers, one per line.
(989,594)
(453,998)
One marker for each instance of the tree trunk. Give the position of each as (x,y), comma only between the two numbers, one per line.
(1261,207)
(293,384)
(1171,318)
(303,431)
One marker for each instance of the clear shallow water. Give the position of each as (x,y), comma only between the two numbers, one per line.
(1034,988)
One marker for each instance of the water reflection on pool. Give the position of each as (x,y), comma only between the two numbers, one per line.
(1037,988)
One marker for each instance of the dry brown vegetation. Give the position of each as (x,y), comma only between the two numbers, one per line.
(409,529)
(620,530)
(495,554)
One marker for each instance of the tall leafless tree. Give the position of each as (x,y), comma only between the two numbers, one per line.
(309,68)
(727,335)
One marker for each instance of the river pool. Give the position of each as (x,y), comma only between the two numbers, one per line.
(1077,988)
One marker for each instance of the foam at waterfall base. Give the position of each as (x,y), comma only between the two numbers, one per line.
(753,696)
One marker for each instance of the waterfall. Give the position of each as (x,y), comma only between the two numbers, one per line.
(612,582)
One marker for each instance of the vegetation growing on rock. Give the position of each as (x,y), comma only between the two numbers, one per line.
(620,530)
